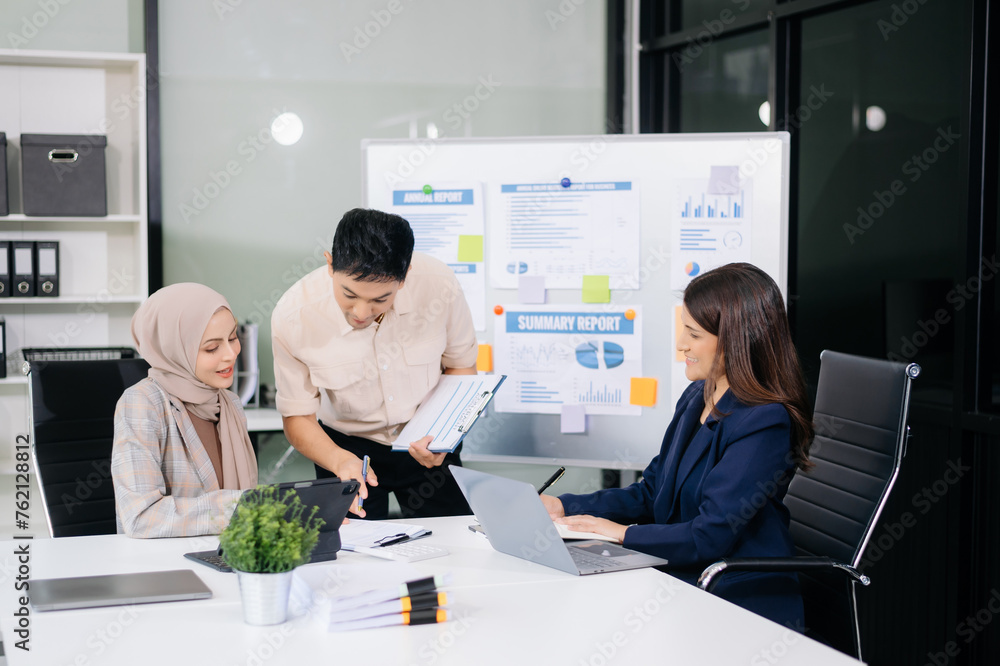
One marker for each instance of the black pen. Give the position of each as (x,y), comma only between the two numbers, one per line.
(552,479)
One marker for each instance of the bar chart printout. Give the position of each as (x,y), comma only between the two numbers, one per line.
(710,229)
(565,232)
(555,355)
(440,218)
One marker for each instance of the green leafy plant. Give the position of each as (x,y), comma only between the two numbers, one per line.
(269,533)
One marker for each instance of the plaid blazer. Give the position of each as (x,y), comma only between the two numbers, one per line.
(165,485)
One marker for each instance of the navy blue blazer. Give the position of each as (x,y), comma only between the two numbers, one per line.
(714,491)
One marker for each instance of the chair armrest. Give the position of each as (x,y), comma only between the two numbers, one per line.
(712,573)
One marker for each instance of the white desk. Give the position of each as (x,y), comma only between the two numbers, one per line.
(506,611)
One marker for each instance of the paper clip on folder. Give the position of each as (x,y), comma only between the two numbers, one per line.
(473,411)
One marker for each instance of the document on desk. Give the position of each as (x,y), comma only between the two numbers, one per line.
(375,533)
(317,586)
(450,411)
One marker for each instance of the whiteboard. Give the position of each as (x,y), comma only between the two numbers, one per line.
(662,169)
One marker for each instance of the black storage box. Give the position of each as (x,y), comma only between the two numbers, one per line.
(4,206)
(64,174)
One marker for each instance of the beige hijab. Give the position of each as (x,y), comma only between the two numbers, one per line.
(167,330)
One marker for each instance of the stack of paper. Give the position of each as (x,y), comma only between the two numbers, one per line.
(415,601)
(314,585)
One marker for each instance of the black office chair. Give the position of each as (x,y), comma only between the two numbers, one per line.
(72,432)
(861,432)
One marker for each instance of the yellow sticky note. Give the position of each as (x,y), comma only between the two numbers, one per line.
(596,289)
(643,392)
(470,248)
(484,362)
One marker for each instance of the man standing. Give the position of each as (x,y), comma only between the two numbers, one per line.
(356,352)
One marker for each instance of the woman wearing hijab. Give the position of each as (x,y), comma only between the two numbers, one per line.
(182,453)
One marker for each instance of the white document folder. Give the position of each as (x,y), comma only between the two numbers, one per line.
(449,412)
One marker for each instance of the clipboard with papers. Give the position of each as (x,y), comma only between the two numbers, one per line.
(450,411)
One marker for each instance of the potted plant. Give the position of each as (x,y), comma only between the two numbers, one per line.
(269,535)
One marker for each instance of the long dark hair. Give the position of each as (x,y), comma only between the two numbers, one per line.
(742,305)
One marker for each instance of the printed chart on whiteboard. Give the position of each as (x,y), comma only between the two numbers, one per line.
(565,232)
(448,222)
(711,226)
(555,355)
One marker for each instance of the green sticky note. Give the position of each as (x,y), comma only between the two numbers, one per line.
(470,248)
(596,289)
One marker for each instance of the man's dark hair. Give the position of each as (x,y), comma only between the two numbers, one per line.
(372,246)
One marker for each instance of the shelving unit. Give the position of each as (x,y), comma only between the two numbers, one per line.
(103,260)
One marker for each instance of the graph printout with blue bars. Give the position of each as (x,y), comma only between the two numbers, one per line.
(714,206)
(709,228)
(555,355)
(565,231)
(439,217)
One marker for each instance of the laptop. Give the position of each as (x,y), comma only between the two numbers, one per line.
(516,523)
(333,497)
(116,590)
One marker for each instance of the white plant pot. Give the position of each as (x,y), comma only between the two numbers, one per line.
(265,596)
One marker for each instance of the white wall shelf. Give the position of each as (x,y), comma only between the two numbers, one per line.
(96,299)
(103,264)
(20,219)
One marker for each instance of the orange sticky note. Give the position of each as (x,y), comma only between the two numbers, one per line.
(484,362)
(678,329)
(643,392)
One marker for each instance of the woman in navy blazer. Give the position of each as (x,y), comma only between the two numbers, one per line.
(739,432)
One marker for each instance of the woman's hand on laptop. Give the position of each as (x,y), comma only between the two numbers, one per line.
(608,528)
(553,505)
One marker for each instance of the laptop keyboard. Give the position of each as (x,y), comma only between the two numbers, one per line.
(210,558)
(585,560)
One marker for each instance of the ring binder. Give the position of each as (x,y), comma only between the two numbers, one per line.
(47,268)
(5,266)
(3,348)
(23,269)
